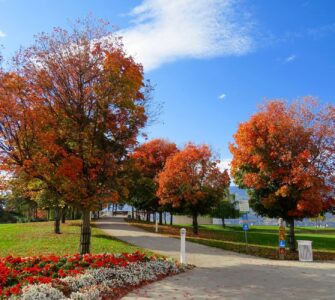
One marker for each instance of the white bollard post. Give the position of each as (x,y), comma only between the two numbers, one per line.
(182,246)
(156,227)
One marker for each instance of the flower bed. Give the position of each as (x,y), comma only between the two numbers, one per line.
(104,276)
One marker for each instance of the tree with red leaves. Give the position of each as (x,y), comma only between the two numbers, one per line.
(192,181)
(285,156)
(149,160)
(71,108)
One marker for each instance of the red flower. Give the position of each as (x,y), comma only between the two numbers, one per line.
(4,273)
(47,269)
(61,273)
(44,279)
(15,290)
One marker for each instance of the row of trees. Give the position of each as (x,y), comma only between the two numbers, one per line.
(71,109)
(284,156)
(30,200)
(21,206)
(73,105)
(168,179)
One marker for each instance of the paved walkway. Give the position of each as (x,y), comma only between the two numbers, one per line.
(222,274)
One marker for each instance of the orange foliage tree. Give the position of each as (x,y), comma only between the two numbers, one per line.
(149,160)
(284,155)
(192,181)
(71,108)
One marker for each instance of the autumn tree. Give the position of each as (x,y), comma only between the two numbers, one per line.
(71,108)
(149,160)
(46,199)
(192,181)
(21,204)
(36,193)
(284,155)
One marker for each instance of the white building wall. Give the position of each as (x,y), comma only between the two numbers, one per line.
(181,220)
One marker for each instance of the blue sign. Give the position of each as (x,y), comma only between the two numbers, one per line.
(245,227)
(282,243)
(245,217)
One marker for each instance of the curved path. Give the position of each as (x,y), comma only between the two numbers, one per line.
(222,274)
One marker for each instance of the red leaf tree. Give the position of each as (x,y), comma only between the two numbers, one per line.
(71,109)
(192,181)
(149,160)
(284,155)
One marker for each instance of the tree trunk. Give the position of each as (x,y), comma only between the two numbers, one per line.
(48,214)
(165,217)
(73,213)
(195,223)
(132,213)
(85,236)
(57,221)
(160,218)
(223,222)
(29,214)
(63,215)
(148,216)
(171,218)
(291,236)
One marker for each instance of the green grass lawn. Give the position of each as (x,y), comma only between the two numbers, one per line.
(27,239)
(323,239)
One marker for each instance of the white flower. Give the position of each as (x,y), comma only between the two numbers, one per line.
(83,280)
(41,292)
(91,293)
(95,283)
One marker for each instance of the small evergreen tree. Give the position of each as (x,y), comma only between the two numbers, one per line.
(226,208)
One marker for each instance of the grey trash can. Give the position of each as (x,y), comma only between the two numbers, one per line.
(305,250)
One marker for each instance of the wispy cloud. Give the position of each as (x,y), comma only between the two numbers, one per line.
(222,96)
(316,33)
(321,31)
(290,58)
(2,34)
(166,30)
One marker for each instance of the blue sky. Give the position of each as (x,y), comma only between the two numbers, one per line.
(211,61)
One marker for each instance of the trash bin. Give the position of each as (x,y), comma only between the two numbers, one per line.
(305,250)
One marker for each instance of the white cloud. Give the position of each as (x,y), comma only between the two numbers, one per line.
(224,164)
(290,58)
(167,30)
(2,34)
(222,96)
